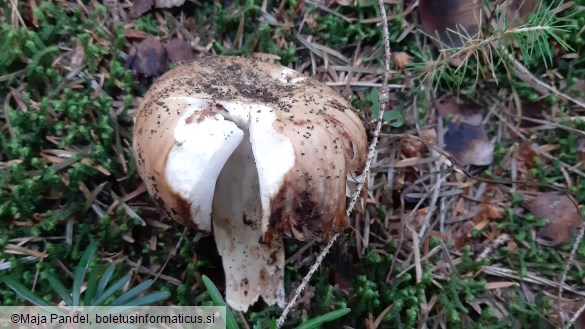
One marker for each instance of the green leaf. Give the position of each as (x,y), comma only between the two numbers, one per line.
(374,98)
(104,280)
(148,299)
(91,286)
(316,322)
(133,292)
(394,118)
(81,270)
(60,289)
(111,290)
(218,300)
(24,292)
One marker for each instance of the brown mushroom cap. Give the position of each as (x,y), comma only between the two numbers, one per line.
(256,150)
(328,137)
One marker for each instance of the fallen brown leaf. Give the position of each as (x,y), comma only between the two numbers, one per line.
(451,23)
(78,54)
(447,19)
(411,146)
(464,110)
(515,12)
(401,59)
(429,135)
(534,110)
(179,50)
(136,34)
(526,152)
(462,237)
(20,250)
(148,58)
(469,144)
(500,285)
(139,7)
(564,218)
(447,106)
(28,12)
(466,138)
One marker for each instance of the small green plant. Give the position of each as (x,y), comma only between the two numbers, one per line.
(393,118)
(231,320)
(490,55)
(98,292)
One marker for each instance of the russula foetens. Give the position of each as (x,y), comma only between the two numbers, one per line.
(253,152)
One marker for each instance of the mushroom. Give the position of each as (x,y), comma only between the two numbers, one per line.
(253,152)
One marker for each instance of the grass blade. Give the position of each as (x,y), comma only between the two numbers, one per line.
(92,281)
(81,270)
(111,290)
(133,293)
(316,322)
(218,300)
(104,280)
(148,299)
(24,292)
(60,289)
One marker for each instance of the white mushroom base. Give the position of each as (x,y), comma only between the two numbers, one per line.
(252,269)
(224,163)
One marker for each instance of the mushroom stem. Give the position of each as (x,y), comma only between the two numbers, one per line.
(253,269)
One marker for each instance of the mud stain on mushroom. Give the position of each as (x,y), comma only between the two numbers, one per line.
(247,221)
(200,115)
(178,208)
(300,214)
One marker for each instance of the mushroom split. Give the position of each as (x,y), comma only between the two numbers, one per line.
(253,152)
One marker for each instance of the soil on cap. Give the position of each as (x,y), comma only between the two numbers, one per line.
(228,78)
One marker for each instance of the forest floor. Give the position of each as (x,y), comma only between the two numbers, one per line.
(475,224)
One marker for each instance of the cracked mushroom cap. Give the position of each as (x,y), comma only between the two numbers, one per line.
(305,140)
(255,150)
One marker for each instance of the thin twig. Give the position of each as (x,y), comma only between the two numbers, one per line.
(384,98)
(365,84)
(575,316)
(578,241)
(528,277)
(525,75)
(501,239)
